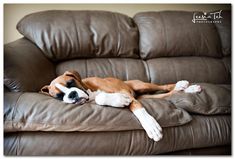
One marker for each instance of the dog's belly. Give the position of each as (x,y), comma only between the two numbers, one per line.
(109,85)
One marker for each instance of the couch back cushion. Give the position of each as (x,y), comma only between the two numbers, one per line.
(63,35)
(122,68)
(194,69)
(224,30)
(172,33)
(157,70)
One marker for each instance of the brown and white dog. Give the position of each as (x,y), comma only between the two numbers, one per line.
(114,92)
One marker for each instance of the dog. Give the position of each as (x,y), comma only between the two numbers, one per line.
(114,92)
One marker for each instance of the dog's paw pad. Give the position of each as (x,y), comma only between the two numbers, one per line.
(193,89)
(181,85)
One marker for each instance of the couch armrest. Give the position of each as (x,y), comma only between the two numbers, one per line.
(10,101)
(25,67)
(227,62)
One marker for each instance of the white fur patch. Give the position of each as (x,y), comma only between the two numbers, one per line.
(67,91)
(113,99)
(193,89)
(92,95)
(150,125)
(181,85)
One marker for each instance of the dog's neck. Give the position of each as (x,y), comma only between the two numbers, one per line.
(92,94)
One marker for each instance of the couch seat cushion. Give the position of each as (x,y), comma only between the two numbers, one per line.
(203,131)
(214,99)
(38,112)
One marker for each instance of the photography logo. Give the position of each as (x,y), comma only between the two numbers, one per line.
(212,17)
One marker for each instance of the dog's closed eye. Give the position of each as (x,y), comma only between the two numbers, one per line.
(59,96)
(71,83)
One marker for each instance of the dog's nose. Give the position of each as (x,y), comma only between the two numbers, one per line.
(73,95)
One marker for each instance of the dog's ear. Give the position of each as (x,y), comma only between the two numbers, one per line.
(74,74)
(77,76)
(45,90)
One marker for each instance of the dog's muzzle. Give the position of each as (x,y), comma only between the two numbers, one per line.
(73,95)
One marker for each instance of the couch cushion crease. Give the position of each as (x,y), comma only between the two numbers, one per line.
(45,113)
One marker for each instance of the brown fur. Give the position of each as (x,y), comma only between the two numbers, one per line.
(111,85)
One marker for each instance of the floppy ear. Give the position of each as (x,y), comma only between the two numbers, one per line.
(77,76)
(45,90)
(74,74)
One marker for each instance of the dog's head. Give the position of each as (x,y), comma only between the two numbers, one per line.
(68,87)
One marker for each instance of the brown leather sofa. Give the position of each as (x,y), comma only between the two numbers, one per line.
(158,47)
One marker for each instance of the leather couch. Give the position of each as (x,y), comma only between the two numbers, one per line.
(158,47)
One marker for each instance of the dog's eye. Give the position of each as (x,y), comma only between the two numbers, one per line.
(59,96)
(71,83)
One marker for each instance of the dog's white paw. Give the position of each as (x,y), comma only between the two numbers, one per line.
(113,99)
(193,89)
(181,85)
(150,125)
(119,100)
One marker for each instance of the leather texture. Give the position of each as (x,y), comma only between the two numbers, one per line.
(224,30)
(53,115)
(201,132)
(214,99)
(157,47)
(122,68)
(227,62)
(159,70)
(217,150)
(193,69)
(172,33)
(25,67)
(63,35)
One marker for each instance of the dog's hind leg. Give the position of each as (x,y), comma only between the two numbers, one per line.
(179,86)
(158,96)
(144,87)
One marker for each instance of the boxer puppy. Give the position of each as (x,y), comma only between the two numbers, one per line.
(70,88)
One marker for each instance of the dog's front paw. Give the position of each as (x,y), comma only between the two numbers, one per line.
(193,89)
(181,85)
(150,125)
(113,99)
